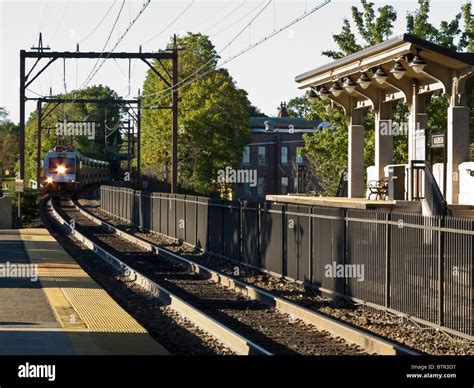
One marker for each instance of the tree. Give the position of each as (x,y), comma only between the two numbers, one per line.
(9,141)
(100,114)
(213,120)
(449,34)
(326,149)
(467,39)
(372,29)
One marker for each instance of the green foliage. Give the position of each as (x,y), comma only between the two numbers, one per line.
(372,29)
(91,112)
(3,113)
(29,205)
(467,39)
(400,143)
(326,149)
(449,34)
(437,113)
(301,107)
(9,141)
(213,120)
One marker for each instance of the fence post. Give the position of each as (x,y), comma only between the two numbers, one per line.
(259,240)
(344,257)
(388,242)
(441,272)
(310,256)
(284,238)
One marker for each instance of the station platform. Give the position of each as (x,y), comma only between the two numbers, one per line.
(50,306)
(347,203)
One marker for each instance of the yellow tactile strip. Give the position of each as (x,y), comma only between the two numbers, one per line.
(80,304)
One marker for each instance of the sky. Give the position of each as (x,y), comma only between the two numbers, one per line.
(266,72)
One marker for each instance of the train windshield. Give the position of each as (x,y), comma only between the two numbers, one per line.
(62,165)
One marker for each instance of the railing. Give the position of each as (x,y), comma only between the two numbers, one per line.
(406,263)
(433,195)
(423,185)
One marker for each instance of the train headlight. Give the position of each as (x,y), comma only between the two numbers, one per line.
(49,180)
(61,169)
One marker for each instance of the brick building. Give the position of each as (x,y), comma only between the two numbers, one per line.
(274,153)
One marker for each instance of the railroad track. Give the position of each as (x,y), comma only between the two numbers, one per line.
(244,318)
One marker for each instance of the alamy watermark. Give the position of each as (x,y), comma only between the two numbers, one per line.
(335,270)
(230,175)
(9,270)
(76,128)
(392,128)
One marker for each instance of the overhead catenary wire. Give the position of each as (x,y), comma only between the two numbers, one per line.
(60,22)
(89,77)
(226,16)
(46,9)
(171,23)
(238,20)
(213,57)
(145,5)
(187,81)
(216,15)
(99,24)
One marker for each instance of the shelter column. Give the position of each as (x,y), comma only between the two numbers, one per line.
(418,122)
(355,163)
(383,139)
(457,148)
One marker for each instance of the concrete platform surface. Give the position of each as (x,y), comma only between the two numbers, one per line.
(50,306)
(348,203)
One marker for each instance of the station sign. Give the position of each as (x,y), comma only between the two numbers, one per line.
(438,140)
(19,186)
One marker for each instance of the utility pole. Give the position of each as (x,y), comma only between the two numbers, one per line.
(174,185)
(38,150)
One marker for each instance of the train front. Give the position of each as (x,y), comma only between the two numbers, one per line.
(60,173)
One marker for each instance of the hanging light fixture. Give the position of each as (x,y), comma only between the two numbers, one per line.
(417,64)
(349,85)
(323,92)
(364,81)
(398,70)
(336,89)
(380,76)
(312,96)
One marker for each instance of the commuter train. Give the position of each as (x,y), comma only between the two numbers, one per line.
(66,171)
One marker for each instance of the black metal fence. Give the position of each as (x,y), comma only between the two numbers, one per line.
(420,266)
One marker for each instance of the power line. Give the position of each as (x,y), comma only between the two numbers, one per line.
(145,5)
(44,15)
(89,77)
(238,20)
(188,81)
(214,57)
(60,21)
(99,24)
(171,23)
(216,15)
(226,16)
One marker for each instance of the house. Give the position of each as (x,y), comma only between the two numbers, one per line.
(274,156)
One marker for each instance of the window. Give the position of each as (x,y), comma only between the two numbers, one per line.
(262,160)
(246,155)
(261,186)
(299,156)
(284,155)
(284,185)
